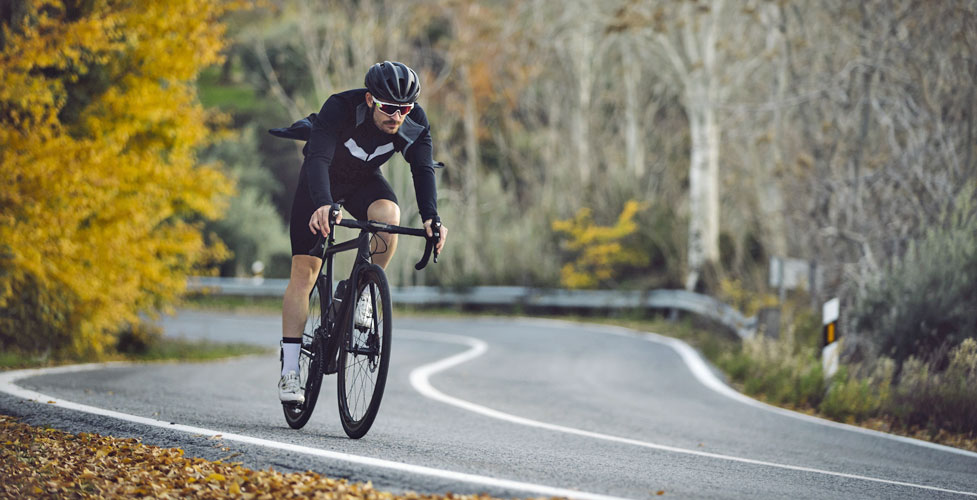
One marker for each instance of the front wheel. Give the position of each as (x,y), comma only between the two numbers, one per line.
(365,353)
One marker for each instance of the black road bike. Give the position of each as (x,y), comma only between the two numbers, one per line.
(333,342)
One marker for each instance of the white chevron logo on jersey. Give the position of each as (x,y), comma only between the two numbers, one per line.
(357,151)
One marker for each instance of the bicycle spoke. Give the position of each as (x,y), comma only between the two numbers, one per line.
(361,384)
(362,381)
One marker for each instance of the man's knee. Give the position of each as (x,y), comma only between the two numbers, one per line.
(385,211)
(305,268)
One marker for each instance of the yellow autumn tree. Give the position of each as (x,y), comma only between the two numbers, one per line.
(102,197)
(599,254)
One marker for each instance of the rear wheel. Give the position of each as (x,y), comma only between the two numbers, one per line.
(310,366)
(364,355)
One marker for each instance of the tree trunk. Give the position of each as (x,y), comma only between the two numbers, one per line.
(470,166)
(768,185)
(970,127)
(703,188)
(582,53)
(702,96)
(633,148)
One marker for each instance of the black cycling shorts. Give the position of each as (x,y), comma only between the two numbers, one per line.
(354,198)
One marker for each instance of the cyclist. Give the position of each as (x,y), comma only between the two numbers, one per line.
(355,132)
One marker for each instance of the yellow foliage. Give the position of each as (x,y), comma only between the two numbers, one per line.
(103,197)
(600,252)
(735,294)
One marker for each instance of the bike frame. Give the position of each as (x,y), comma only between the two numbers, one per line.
(328,248)
(361,243)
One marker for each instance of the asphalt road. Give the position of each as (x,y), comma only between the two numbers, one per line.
(508,407)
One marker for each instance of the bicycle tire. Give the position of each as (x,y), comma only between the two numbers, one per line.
(363,367)
(310,364)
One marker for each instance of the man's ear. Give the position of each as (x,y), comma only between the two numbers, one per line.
(369,99)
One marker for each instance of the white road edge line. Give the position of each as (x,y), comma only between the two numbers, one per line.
(7,385)
(420,380)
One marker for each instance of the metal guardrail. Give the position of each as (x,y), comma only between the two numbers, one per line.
(702,305)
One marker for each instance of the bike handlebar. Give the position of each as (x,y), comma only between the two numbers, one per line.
(375,227)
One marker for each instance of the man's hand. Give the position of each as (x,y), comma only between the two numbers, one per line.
(319,222)
(430,232)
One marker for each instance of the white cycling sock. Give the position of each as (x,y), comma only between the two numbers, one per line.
(290,357)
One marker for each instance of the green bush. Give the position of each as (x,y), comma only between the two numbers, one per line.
(251,228)
(778,370)
(852,399)
(934,400)
(925,302)
(138,338)
(936,394)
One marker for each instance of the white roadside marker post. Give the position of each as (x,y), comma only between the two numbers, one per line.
(829,353)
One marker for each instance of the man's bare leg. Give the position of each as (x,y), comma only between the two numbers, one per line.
(295,305)
(295,308)
(387,212)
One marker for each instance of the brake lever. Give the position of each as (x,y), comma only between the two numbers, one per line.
(319,249)
(436,235)
(334,212)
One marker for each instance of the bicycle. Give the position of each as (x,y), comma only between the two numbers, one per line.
(332,343)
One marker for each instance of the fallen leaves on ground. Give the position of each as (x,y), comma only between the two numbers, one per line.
(48,463)
(956,440)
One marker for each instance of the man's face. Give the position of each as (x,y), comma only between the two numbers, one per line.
(386,122)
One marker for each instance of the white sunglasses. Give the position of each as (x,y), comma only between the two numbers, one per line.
(390,109)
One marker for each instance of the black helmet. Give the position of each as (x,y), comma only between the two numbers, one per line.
(393,82)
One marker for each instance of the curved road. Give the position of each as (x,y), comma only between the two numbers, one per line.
(509,407)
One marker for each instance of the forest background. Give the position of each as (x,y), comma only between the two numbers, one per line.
(645,145)
(623,145)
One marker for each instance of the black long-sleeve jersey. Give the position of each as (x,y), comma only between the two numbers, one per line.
(345,146)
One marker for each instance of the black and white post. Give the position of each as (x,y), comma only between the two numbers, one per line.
(830,313)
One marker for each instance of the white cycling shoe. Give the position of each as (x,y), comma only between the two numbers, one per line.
(289,389)
(364,310)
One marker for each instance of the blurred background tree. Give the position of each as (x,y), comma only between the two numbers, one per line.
(102,210)
(252,226)
(601,255)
